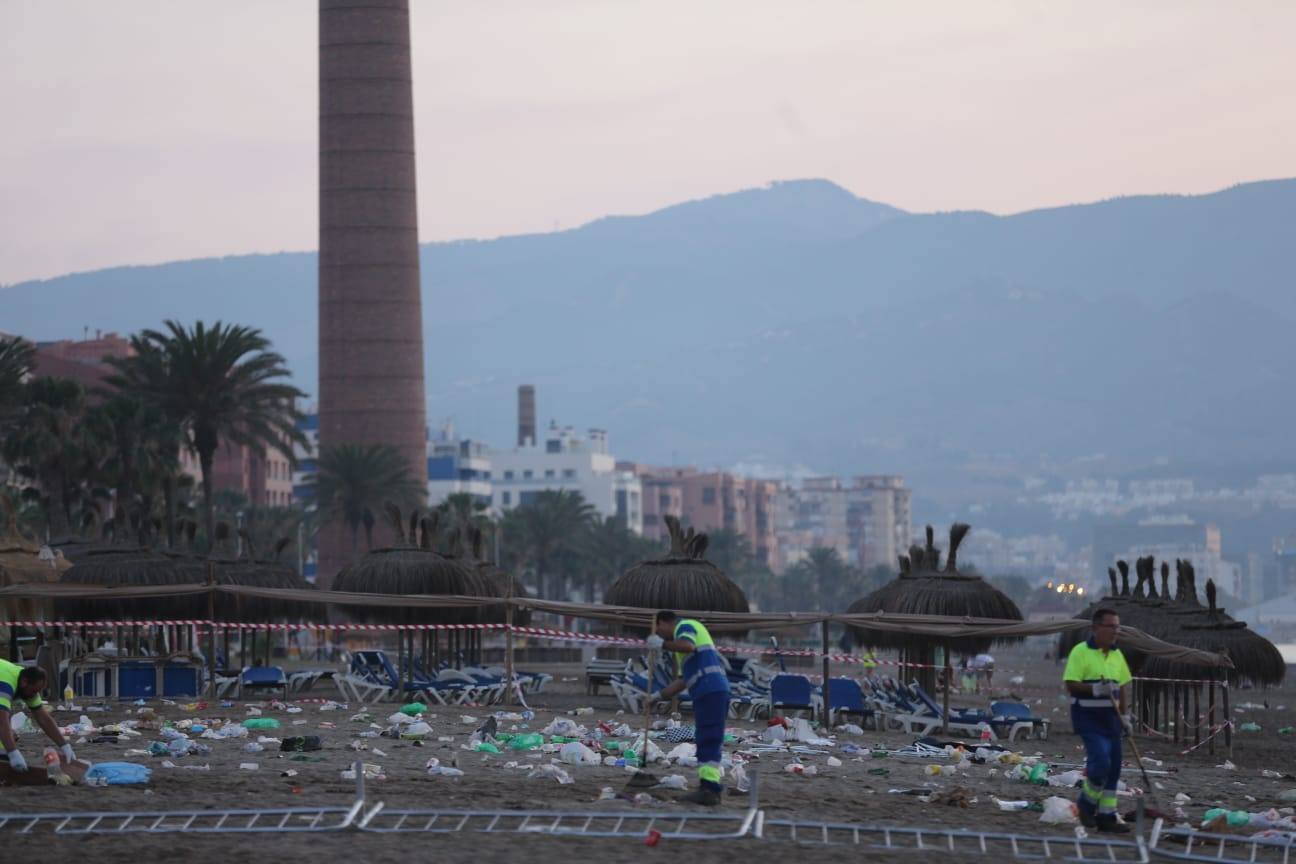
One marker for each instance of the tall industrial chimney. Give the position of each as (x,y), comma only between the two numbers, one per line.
(526,415)
(370,317)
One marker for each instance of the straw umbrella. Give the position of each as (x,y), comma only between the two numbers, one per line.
(925,588)
(412,566)
(1255,659)
(682,579)
(22,562)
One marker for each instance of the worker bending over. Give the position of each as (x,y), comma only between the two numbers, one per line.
(700,669)
(24,684)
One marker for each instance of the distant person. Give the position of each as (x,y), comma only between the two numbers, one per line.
(1094,677)
(983,667)
(24,684)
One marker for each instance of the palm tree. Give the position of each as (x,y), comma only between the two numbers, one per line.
(608,550)
(218,382)
(49,444)
(16,362)
(353,482)
(463,511)
(142,448)
(548,532)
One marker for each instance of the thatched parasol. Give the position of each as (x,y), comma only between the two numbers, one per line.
(22,562)
(924,588)
(501,584)
(252,571)
(1208,628)
(682,580)
(130,563)
(411,567)
(1133,606)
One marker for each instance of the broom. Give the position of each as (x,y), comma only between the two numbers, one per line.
(1138,757)
(642,778)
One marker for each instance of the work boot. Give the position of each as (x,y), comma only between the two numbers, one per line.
(1109,825)
(1088,816)
(703,796)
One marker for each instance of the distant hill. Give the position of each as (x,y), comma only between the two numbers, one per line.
(799,324)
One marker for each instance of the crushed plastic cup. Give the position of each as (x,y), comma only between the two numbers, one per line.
(607,793)
(673,781)
(834,762)
(553,772)
(249,766)
(740,779)
(253,747)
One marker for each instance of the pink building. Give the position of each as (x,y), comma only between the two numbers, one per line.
(709,501)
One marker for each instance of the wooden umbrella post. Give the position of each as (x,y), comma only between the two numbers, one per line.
(1228,716)
(508,643)
(1210,713)
(211,629)
(949,684)
(400,664)
(826,719)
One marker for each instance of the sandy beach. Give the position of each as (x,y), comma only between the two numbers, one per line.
(862,789)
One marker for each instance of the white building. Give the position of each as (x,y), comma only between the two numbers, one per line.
(564,460)
(457,466)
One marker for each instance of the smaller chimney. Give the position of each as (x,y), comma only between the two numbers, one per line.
(526,408)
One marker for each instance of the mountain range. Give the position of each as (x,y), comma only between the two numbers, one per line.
(799,327)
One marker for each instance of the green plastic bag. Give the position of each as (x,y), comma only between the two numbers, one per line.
(413,709)
(486,747)
(531,741)
(1249,727)
(261,723)
(1039,774)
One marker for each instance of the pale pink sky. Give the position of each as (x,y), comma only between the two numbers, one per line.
(138,131)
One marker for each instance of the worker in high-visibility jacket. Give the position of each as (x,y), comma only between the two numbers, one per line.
(699,668)
(1095,674)
(23,684)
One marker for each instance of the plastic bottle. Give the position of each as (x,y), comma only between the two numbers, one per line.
(54,770)
(68,695)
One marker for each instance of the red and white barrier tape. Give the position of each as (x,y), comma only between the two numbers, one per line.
(539,632)
(1228,724)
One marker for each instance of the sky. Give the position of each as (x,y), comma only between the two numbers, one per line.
(142,131)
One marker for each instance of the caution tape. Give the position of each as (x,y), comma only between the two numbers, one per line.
(538,632)
(1227,724)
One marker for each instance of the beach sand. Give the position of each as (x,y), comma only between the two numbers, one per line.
(849,793)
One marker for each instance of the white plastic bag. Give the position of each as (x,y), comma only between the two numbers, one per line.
(673,781)
(775,733)
(686,750)
(1059,811)
(416,731)
(576,753)
(564,727)
(741,781)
